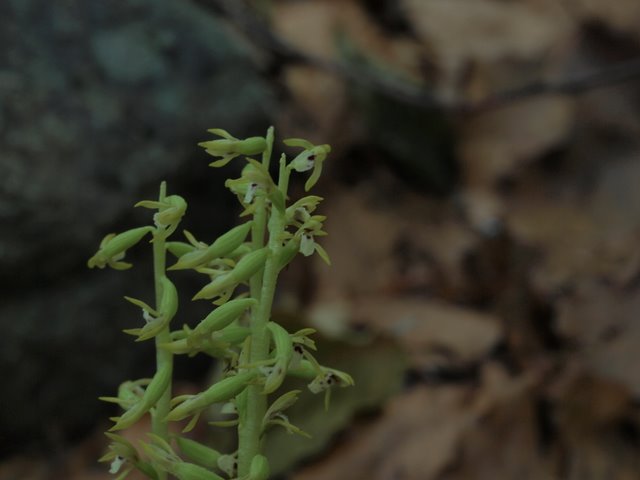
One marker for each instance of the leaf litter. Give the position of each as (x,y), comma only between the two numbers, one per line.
(524,278)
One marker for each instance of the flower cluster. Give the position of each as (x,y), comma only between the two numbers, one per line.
(241,268)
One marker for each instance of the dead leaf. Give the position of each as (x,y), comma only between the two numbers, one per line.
(507,43)
(563,233)
(495,145)
(420,433)
(319,106)
(318,28)
(603,323)
(622,15)
(434,333)
(503,443)
(387,241)
(416,438)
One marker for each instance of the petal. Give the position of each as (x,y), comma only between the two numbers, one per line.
(221,133)
(250,193)
(323,254)
(225,159)
(116,464)
(307,244)
(314,176)
(298,142)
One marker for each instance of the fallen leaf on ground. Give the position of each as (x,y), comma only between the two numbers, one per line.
(434,333)
(507,43)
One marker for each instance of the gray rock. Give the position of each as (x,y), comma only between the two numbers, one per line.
(99,101)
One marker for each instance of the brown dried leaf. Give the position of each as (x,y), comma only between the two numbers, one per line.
(494,145)
(603,322)
(420,433)
(319,107)
(582,235)
(588,413)
(504,43)
(315,28)
(362,252)
(388,241)
(432,332)
(417,436)
(563,233)
(620,15)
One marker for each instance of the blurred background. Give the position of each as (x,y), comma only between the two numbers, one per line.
(483,216)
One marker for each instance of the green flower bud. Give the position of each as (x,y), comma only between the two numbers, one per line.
(259,469)
(161,454)
(221,391)
(179,249)
(157,387)
(222,247)
(169,299)
(246,267)
(198,453)
(222,316)
(230,147)
(152,394)
(113,248)
(283,352)
(233,334)
(179,347)
(190,471)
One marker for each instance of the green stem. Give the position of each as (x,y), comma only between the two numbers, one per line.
(159,425)
(260,220)
(250,426)
(257,242)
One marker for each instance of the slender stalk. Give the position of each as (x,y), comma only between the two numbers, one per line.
(250,430)
(257,242)
(164,357)
(260,220)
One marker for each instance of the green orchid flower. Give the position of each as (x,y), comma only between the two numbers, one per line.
(312,157)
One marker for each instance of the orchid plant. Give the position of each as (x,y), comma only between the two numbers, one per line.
(241,269)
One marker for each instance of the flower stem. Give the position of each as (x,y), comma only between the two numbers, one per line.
(159,425)
(250,426)
(260,220)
